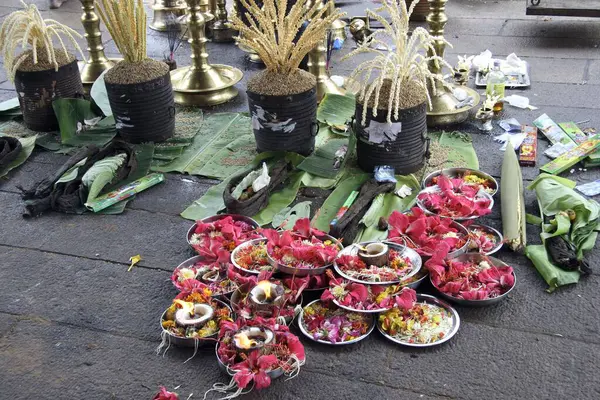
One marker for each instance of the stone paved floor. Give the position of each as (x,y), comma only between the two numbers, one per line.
(74,324)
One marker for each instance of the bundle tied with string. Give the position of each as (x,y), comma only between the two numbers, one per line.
(253,205)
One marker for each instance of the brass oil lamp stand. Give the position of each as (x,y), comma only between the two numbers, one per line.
(338,27)
(317,65)
(444,109)
(222,31)
(97,62)
(162,9)
(202,84)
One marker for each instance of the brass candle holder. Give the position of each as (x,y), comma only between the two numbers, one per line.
(444,109)
(338,27)
(222,31)
(97,62)
(202,84)
(317,65)
(161,10)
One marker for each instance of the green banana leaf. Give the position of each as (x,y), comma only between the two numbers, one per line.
(556,194)
(389,203)
(336,109)
(72,114)
(216,132)
(512,201)
(321,162)
(459,147)
(27,144)
(143,154)
(188,123)
(281,199)
(101,174)
(553,275)
(10,108)
(310,180)
(286,218)
(99,95)
(207,205)
(230,158)
(336,199)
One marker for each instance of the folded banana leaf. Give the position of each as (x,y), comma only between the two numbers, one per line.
(216,132)
(27,145)
(80,126)
(553,275)
(514,224)
(336,109)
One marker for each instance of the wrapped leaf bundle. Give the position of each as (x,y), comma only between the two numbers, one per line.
(513,202)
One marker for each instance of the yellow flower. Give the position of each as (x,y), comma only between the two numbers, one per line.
(186,273)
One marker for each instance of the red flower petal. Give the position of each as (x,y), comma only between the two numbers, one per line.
(262,380)
(406,299)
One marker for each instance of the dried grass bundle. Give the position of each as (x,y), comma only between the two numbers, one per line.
(403,63)
(126,23)
(27,27)
(271,33)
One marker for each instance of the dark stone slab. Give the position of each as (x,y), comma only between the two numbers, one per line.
(7,322)
(552,28)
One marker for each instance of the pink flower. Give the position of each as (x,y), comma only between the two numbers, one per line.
(406,299)
(254,368)
(164,394)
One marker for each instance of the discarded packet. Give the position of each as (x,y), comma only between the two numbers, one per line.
(510,125)
(403,191)
(528,151)
(558,149)
(385,173)
(573,131)
(124,192)
(589,189)
(551,130)
(572,157)
(349,201)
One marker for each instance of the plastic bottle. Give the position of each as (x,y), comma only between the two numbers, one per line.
(496,84)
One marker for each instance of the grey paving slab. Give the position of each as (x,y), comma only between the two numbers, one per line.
(86,293)
(522,365)
(159,238)
(7,322)
(37,359)
(594,73)
(572,28)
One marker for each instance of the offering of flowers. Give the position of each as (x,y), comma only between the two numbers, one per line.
(195,314)
(365,298)
(214,272)
(484,239)
(454,199)
(252,257)
(301,248)
(284,355)
(469,277)
(467,178)
(420,323)
(426,232)
(227,232)
(260,297)
(396,269)
(330,324)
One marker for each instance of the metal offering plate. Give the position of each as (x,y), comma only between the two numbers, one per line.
(214,218)
(286,269)
(513,80)
(353,250)
(370,319)
(191,262)
(423,298)
(498,239)
(455,173)
(242,246)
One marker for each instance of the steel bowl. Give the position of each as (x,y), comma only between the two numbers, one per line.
(477,257)
(286,269)
(495,232)
(424,298)
(190,262)
(418,281)
(236,217)
(273,374)
(433,189)
(413,256)
(191,342)
(244,289)
(240,247)
(461,250)
(456,172)
(371,317)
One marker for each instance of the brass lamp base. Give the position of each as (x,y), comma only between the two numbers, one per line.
(209,86)
(251,56)
(161,13)
(222,32)
(444,108)
(90,71)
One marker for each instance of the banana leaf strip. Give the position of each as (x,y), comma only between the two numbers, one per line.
(15,154)
(513,202)
(286,218)
(336,109)
(228,160)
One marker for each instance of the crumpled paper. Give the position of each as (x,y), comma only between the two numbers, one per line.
(516,139)
(257,179)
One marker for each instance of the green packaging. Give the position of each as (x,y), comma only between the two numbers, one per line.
(124,192)
(577,135)
(551,130)
(572,157)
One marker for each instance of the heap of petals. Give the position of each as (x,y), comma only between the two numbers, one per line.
(301,247)
(396,269)
(426,232)
(217,262)
(226,232)
(286,353)
(468,280)
(455,199)
(482,240)
(332,324)
(467,178)
(358,296)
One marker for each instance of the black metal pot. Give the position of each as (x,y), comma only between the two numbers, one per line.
(284,123)
(37,89)
(405,151)
(144,112)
